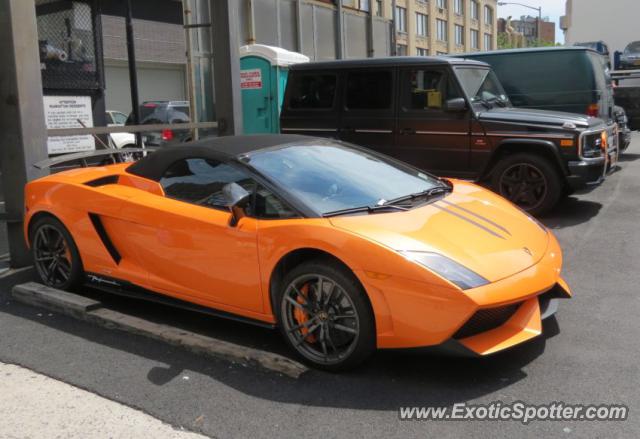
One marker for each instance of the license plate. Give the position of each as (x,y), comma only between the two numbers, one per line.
(636,63)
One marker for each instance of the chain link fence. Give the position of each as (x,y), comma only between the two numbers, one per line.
(68,58)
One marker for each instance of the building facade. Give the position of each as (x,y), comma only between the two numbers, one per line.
(615,22)
(528,26)
(438,27)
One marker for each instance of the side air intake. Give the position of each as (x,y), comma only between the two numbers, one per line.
(104,237)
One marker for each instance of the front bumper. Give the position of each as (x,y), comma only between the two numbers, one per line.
(514,307)
(587,173)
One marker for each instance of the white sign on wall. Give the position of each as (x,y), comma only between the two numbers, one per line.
(251,79)
(64,112)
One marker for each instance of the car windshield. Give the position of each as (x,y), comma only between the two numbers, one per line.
(481,85)
(633,47)
(329,176)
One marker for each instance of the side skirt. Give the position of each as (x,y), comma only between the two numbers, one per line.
(127,289)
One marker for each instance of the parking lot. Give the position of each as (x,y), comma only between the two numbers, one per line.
(589,354)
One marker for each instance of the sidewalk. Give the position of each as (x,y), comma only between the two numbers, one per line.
(35,406)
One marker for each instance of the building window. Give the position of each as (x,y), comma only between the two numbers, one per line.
(488,15)
(459,35)
(442,4)
(422,24)
(458,7)
(365,5)
(475,10)
(488,42)
(401,19)
(475,43)
(441,30)
(379,10)
(401,49)
(421,52)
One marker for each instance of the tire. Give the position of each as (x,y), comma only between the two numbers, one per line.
(529,181)
(67,272)
(333,332)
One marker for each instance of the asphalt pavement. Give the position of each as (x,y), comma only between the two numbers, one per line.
(589,354)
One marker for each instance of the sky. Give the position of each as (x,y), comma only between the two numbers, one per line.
(553,9)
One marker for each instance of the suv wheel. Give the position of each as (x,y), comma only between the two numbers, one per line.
(528,180)
(325,317)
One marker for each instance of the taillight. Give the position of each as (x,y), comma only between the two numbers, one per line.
(593,110)
(167,135)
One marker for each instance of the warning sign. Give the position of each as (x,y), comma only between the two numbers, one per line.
(64,112)
(251,79)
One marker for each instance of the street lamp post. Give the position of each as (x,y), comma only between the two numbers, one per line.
(539,9)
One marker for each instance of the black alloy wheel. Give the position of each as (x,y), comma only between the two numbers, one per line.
(524,185)
(529,181)
(325,318)
(55,255)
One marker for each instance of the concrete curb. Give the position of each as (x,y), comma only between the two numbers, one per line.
(92,311)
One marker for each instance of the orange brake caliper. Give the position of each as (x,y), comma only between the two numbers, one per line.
(302,316)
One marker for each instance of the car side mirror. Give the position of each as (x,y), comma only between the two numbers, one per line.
(456,105)
(235,196)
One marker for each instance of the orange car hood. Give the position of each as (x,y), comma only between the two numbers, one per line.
(472,226)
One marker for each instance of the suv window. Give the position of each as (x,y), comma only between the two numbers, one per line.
(200,181)
(425,89)
(369,90)
(312,91)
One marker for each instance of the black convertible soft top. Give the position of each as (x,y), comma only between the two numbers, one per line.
(216,148)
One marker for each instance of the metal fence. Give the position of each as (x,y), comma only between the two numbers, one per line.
(68,57)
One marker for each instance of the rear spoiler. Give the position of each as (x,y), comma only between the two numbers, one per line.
(116,155)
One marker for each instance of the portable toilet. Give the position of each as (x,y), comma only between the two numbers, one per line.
(263,78)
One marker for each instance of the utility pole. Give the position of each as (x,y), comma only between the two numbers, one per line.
(133,74)
(23,133)
(226,66)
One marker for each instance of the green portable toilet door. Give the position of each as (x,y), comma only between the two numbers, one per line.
(257,99)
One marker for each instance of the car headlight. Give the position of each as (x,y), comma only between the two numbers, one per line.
(447,268)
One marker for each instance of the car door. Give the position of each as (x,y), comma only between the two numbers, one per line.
(430,136)
(186,243)
(368,113)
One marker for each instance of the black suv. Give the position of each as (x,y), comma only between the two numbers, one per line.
(450,117)
(163,112)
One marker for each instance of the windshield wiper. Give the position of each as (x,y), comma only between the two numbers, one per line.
(428,194)
(368,209)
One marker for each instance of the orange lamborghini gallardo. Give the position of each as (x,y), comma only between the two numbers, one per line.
(343,249)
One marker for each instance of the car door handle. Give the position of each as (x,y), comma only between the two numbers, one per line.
(405,131)
(347,130)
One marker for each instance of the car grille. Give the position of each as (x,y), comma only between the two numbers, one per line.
(487,319)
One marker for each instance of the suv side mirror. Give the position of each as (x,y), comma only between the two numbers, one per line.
(235,197)
(456,105)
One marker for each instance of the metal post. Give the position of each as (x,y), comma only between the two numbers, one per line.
(23,135)
(299,24)
(371,48)
(540,25)
(226,66)
(394,30)
(191,83)
(133,74)
(339,31)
